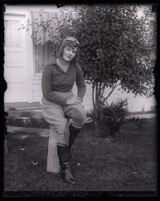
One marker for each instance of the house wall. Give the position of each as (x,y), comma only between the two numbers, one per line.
(33,81)
(134,103)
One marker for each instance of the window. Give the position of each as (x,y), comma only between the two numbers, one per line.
(42,45)
(45,29)
(43,54)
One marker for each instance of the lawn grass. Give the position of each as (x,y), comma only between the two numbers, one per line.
(110,164)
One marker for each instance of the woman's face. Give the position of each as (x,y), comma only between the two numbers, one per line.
(69,53)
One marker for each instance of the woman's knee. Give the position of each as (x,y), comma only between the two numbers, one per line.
(78,116)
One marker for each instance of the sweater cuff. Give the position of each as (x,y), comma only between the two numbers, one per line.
(59,97)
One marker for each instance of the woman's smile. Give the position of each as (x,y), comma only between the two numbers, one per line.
(69,53)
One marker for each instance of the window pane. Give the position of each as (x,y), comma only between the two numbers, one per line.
(12,34)
(43,55)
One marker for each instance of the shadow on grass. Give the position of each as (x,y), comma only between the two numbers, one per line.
(99,164)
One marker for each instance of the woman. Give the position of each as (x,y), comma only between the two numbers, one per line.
(60,107)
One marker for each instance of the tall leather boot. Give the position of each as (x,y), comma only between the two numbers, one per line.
(64,157)
(73,134)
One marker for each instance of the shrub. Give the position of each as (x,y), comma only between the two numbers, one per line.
(112,117)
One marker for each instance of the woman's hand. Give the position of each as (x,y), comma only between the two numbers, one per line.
(73,100)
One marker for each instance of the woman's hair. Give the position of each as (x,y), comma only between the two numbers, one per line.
(68,41)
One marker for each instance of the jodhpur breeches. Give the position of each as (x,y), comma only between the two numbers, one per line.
(61,118)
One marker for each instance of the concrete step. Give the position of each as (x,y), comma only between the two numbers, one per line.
(25,115)
(40,131)
(22,106)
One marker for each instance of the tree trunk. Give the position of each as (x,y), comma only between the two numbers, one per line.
(97,129)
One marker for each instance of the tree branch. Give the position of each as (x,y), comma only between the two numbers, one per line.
(93,90)
(96,93)
(99,91)
(110,92)
(102,90)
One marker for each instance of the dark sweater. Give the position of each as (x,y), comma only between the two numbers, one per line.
(57,84)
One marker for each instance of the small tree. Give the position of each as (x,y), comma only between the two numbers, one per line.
(115,50)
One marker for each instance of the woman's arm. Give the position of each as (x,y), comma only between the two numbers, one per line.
(53,96)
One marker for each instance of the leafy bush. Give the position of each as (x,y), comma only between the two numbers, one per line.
(114,116)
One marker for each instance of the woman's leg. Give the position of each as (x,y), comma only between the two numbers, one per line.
(77,115)
(65,157)
(54,115)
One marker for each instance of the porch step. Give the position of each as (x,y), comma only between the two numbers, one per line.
(29,118)
(40,131)
(22,113)
(22,106)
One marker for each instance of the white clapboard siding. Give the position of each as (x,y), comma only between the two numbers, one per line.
(14,66)
(36,91)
